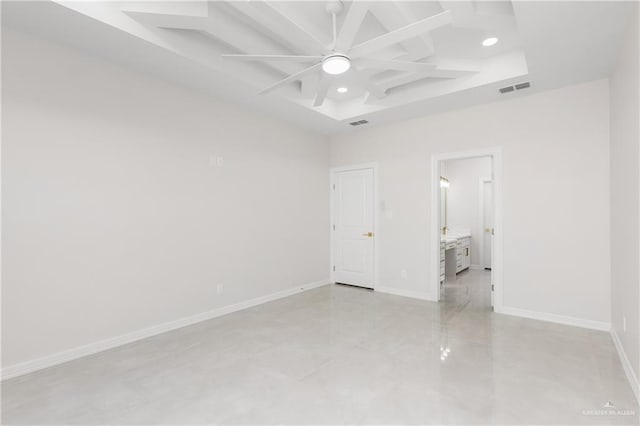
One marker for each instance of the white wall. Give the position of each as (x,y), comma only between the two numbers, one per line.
(555,149)
(114,219)
(463,198)
(625,194)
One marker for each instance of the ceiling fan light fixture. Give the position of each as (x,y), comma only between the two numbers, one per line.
(489,41)
(336,64)
(342,90)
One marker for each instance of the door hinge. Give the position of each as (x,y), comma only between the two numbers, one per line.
(334,227)
(334,268)
(492,288)
(334,186)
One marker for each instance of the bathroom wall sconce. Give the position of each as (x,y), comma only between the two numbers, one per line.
(444,182)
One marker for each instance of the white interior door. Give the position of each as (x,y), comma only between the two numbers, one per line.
(353,232)
(487,206)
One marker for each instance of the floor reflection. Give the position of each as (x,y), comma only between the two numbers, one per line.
(341,355)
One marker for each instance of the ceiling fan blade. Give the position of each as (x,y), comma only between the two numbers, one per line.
(373,89)
(277,58)
(351,25)
(323,89)
(392,64)
(401,34)
(292,77)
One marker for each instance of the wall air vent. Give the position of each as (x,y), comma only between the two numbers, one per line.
(518,86)
(357,123)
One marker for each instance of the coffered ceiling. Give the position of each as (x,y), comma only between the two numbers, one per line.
(406,57)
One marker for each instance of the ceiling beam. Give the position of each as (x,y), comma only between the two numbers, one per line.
(309,86)
(160,19)
(373,89)
(323,89)
(282,26)
(392,17)
(398,35)
(443,68)
(164,20)
(393,64)
(410,17)
(461,10)
(351,25)
(192,8)
(465,15)
(220,27)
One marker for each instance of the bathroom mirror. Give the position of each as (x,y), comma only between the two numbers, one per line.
(444,188)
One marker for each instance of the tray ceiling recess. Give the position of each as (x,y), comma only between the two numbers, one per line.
(461,53)
(342,55)
(340,59)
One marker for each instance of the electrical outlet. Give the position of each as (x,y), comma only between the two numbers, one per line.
(220,289)
(220,161)
(403,274)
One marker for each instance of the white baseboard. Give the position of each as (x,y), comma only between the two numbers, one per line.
(102,345)
(560,319)
(626,365)
(406,293)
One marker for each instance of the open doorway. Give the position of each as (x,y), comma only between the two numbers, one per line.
(465,234)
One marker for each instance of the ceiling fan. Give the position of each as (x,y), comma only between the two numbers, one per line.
(341,56)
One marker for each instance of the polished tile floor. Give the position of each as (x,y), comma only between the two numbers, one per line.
(341,355)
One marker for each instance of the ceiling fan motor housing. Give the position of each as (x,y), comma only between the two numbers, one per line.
(336,64)
(334,7)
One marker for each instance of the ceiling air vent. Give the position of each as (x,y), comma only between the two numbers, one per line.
(357,123)
(506,89)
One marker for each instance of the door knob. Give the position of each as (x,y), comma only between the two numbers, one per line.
(368,234)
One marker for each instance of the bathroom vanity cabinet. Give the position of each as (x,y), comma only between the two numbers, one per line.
(442,262)
(455,255)
(463,254)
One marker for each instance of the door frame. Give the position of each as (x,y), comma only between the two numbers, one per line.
(332,204)
(434,237)
(481,183)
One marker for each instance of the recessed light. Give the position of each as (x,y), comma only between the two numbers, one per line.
(336,64)
(489,41)
(342,90)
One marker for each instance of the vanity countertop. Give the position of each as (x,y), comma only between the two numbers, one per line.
(450,238)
